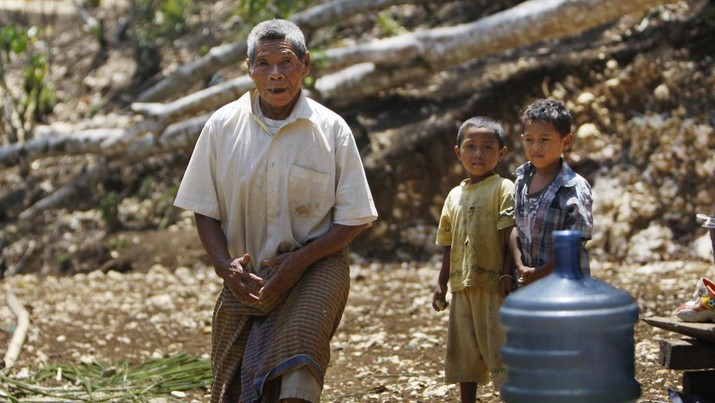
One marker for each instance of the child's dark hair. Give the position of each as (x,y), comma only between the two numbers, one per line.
(548,111)
(482,122)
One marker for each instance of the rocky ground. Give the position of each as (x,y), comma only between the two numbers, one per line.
(388,348)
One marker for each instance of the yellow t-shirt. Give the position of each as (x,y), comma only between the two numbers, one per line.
(470,222)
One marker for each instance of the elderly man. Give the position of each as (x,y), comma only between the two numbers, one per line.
(278,191)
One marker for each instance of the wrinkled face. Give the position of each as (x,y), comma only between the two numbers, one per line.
(543,145)
(479,152)
(278,74)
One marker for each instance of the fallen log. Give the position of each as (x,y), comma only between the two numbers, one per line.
(436,49)
(184,77)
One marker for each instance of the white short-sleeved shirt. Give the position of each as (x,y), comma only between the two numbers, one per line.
(274,193)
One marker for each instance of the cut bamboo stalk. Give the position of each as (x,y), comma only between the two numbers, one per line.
(18,336)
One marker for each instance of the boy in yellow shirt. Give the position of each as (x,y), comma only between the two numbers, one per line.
(474,229)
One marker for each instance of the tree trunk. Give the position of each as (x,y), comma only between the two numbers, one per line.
(222,56)
(389,63)
(529,22)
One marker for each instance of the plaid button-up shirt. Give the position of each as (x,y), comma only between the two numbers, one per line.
(565,204)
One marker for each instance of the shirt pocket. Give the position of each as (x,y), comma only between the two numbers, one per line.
(307,192)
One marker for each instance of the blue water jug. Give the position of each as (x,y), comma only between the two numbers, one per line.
(569,336)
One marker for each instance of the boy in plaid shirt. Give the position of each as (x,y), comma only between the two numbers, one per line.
(549,195)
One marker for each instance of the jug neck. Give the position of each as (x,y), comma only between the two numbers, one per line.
(567,249)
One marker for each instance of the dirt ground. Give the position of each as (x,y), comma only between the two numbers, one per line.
(388,348)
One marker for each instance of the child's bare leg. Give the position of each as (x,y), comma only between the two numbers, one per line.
(468,392)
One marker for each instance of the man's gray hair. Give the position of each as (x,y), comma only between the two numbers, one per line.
(276,29)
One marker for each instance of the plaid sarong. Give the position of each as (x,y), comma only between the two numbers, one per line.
(250,348)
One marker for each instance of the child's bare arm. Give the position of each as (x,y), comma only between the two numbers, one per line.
(515,249)
(439,298)
(526,273)
(506,279)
